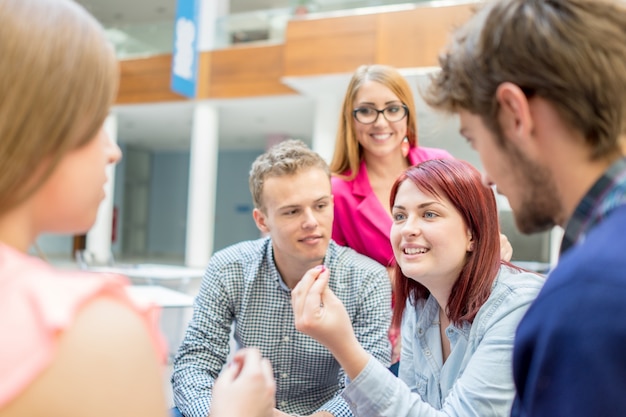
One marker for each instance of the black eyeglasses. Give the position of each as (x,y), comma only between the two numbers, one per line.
(369,115)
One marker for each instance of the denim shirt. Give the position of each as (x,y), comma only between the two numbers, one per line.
(476,379)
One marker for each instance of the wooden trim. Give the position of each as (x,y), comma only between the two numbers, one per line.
(146,80)
(243,72)
(331,45)
(414,38)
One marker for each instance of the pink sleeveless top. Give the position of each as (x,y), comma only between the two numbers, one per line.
(37,302)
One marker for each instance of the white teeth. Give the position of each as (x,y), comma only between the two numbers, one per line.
(413,251)
(381,137)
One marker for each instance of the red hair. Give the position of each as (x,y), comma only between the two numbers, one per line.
(461,184)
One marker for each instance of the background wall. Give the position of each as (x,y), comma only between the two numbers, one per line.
(167,219)
(233,209)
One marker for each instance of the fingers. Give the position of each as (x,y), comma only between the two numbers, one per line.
(266,368)
(506,250)
(248,376)
(309,302)
(240,358)
(248,363)
(300,292)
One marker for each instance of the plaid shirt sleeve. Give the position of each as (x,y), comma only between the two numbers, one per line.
(205,348)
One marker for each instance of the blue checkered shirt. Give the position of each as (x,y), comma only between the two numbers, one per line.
(608,193)
(242,286)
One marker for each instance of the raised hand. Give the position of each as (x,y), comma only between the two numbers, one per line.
(246,388)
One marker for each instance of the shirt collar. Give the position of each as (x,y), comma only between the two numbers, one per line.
(608,193)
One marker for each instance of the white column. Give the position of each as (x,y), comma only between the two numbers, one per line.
(99,236)
(202,185)
(327,110)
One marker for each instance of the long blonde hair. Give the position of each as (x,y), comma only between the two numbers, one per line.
(348,152)
(58,81)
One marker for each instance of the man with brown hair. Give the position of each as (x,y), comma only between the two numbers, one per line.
(249,284)
(540,88)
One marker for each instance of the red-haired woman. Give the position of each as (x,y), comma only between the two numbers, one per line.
(459,304)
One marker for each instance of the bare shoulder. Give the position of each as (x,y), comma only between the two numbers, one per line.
(105,365)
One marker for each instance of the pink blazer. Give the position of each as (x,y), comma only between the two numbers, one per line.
(361,222)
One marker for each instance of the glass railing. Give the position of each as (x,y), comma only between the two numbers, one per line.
(252,27)
(263,26)
(146,39)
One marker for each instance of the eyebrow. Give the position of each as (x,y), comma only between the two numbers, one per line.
(292,206)
(420,206)
(369,103)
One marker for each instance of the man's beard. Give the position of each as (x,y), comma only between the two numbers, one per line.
(539,206)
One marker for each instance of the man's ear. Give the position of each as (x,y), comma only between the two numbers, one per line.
(260,220)
(514,114)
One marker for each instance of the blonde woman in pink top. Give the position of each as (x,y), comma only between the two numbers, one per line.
(73,344)
(376,142)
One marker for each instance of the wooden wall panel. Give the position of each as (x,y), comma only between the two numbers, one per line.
(330,45)
(243,72)
(414,38)
(405,39)
(204,74)
(146,80)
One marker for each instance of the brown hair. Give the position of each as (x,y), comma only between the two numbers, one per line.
(285,158)
(348,152)
(57,85)
(569,52)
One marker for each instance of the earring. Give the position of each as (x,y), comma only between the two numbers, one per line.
(405,146)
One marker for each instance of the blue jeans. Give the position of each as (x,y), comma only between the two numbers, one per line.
(175,413)
(394,368)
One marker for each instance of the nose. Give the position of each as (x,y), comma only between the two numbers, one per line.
(113,151)
(411,227)
(380,119)
(309,221)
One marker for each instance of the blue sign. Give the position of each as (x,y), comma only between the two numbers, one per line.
(185,56)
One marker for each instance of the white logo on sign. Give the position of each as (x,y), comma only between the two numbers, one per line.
(184,53)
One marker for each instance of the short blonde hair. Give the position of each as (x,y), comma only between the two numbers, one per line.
(347,155)
(285,158)
(57,84)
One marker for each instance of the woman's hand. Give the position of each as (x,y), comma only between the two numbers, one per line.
(506,250)
(320,314)
(246,388)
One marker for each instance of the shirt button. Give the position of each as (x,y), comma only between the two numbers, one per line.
(284,375)
(286,338)
(420,331)
(283,403)
(427,352)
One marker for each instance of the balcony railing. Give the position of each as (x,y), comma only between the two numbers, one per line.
(263,26)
